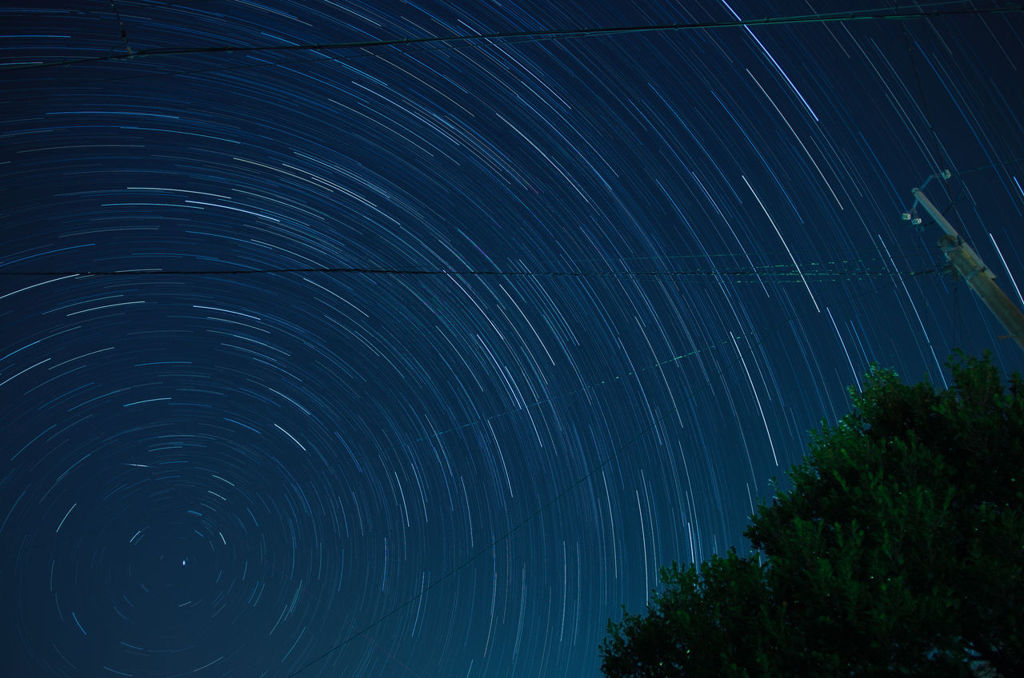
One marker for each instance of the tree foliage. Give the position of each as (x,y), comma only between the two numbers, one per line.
(898,551)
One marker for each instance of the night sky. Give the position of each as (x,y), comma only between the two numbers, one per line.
(541,315)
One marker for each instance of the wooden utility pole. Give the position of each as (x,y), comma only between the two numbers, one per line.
(970,267)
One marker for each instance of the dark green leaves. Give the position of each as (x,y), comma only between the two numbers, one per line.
(899,550)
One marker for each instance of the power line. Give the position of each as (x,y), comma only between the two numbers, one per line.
(455,41)
(905,13)
(579,481)
(774,271)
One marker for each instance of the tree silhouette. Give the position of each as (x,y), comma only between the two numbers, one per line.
(899,551)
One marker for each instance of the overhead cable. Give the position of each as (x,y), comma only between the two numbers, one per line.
(903,13)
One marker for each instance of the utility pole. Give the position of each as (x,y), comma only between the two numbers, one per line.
(969,265)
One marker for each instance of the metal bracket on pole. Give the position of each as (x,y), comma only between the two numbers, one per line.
(969,265)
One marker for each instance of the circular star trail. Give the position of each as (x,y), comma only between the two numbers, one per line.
(421,360)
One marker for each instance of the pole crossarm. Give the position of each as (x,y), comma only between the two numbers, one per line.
(973,270)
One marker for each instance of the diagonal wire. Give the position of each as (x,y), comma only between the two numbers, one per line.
(615,454)
(905,13)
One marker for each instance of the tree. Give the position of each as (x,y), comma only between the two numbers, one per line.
(899,550)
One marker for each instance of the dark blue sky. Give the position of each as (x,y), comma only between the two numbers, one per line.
(637,271)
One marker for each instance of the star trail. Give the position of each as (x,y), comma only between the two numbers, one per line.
(333,346)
